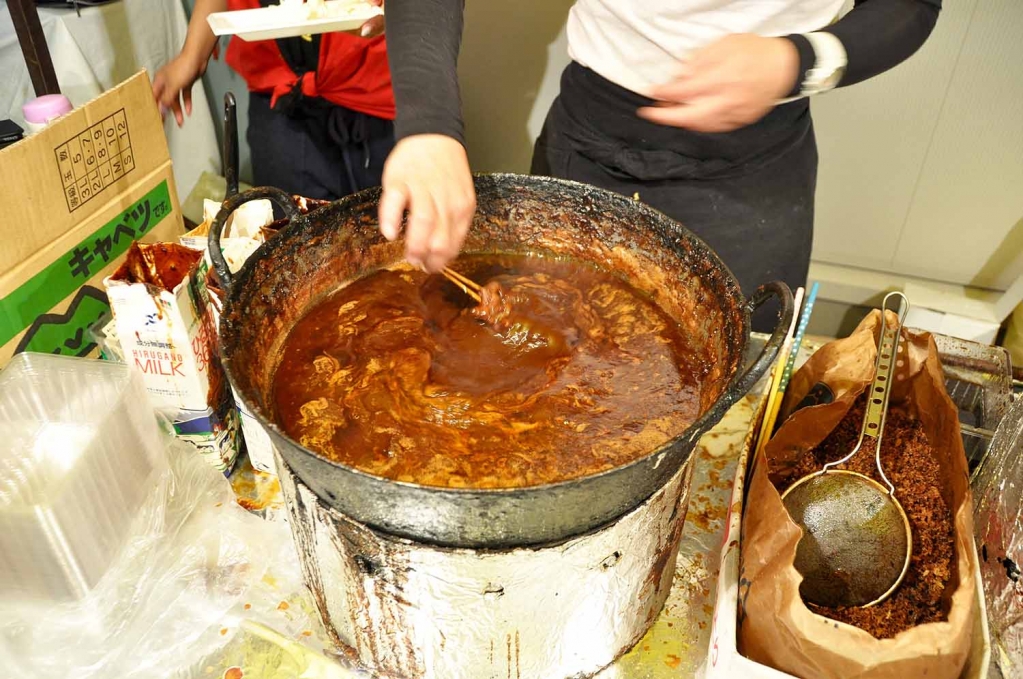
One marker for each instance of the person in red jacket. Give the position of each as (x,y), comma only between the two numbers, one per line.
(321,109)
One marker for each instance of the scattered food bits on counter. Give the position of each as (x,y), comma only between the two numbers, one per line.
(223,631)
(307,633)
(248,606)
(283,606)
(705,518)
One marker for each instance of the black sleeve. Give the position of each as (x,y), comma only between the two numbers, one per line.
(423,38)
(877,35)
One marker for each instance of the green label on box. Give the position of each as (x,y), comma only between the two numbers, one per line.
(65,333)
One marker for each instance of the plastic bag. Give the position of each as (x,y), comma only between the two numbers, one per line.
(998,489)
(192,555)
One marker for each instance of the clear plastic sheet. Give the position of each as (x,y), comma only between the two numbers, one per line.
(998,490)
(192,556)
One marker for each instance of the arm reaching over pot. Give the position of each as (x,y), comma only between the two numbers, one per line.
(427,174)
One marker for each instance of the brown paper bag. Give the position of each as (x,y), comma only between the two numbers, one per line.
(777,628)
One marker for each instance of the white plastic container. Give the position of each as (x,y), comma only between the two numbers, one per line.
(80,442)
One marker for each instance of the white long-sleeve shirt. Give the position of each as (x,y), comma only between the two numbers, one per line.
(639,44)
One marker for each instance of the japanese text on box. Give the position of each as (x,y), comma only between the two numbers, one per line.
(94,159)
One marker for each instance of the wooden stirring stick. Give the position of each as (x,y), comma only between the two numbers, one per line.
(467,285)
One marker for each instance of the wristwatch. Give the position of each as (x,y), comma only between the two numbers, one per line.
(829,65)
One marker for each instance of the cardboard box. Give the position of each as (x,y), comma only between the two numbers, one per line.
(75,196)
(165,324)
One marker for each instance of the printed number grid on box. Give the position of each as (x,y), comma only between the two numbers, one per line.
(94,159)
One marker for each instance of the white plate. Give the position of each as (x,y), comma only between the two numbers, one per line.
(270,23)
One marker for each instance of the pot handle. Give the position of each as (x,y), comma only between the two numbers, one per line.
(230,205)
(767,356)
(742,383)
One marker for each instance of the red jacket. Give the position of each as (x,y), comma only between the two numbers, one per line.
(352,71)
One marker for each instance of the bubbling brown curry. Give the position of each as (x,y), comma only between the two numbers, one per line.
(563,371)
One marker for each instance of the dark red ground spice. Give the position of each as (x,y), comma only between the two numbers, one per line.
(909,462)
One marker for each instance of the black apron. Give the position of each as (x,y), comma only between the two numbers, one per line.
(749,194)
(316,149)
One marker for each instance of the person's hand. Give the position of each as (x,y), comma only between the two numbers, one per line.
(375,26)
(172,85)
(428,174)
(728,84)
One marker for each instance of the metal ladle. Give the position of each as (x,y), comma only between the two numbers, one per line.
(857,541)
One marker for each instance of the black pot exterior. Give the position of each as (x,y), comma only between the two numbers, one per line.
(321,251)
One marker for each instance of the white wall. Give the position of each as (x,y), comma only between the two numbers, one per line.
(921,169)
(510,69)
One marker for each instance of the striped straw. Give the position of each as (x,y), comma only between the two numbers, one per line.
(804,320)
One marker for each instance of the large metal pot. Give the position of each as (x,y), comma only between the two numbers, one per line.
(321,251)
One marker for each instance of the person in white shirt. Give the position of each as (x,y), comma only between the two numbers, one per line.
(699,106)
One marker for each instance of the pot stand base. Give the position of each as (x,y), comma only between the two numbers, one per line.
(409,610)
